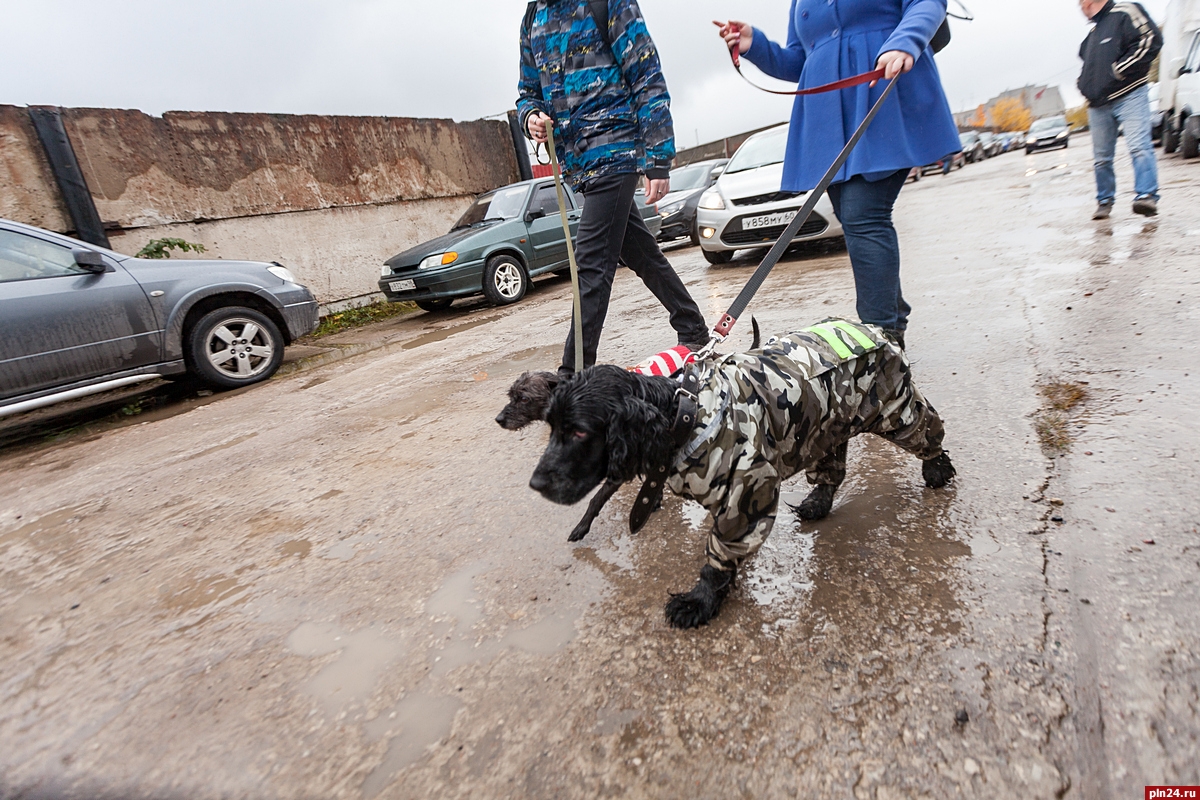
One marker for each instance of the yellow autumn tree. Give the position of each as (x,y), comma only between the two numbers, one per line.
(1010,114)
(1077,117)
(980,118)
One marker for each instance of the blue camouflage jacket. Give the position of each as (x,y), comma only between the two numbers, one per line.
(610,106)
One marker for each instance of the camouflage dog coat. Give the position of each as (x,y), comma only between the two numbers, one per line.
(790,407)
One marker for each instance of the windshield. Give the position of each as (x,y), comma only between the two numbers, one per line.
(1048,124)
(766,148)
(686,178)
(501,204)
(967,138)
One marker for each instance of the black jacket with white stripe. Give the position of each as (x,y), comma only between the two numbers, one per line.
(1117,54)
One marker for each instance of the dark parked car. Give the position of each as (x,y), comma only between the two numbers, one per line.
(972,147)
(992,144)
(957,160)
(76,319)
(1047,134)
(504,239)
(678,209)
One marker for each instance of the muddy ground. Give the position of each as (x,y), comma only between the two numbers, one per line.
(338,584)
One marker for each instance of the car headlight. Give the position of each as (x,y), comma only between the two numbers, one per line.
(667,211)
(1031,140)
(384,271)
(1061,134)
(712,200)
(283,273)
(439,260)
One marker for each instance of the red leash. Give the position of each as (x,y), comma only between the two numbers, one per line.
(857,80)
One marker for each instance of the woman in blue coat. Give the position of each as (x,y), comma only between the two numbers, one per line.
(829,40)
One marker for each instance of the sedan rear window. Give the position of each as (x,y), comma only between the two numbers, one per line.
(25,258)
(501,204)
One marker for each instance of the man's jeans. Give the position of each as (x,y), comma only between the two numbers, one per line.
(612,227)
(1132,114)
(865,210)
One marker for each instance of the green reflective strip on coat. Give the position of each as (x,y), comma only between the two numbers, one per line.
(829,335)
(855,334)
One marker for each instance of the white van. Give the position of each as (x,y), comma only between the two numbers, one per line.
(1180,78)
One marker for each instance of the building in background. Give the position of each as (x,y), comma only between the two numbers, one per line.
(1042,101)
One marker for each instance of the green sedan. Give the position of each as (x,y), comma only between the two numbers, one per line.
(505,238)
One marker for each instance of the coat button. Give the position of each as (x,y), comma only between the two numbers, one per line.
(803,15)
(835,32)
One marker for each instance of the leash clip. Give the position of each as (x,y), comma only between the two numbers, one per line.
(706,352)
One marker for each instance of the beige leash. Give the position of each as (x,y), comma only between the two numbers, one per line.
(562,211)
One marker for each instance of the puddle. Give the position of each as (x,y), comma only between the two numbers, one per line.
(443,334)
(416,722)
(187,595)
(48,528)
(457,599)
(342,551)
(296,547)
(352,676)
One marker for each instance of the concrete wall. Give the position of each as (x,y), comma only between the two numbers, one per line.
(330,197)
(722,148)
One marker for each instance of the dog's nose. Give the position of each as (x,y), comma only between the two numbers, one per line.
(500,419)
(539,482)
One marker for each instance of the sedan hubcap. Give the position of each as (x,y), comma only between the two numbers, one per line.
(508,280)
(239,348)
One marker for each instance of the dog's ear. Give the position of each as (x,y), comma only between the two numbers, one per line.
(638,437)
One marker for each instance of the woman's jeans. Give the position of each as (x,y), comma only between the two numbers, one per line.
(865,210)
(1131,114)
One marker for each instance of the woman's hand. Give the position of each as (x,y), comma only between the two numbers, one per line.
(736,34)
(893,63)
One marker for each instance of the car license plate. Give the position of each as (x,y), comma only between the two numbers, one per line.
(402,286)
(768,220)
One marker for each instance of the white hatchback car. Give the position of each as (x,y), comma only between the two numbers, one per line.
(745,207)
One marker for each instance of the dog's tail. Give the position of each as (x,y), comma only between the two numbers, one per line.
(757,335)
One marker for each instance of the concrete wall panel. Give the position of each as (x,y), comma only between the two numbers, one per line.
(27,190)
(191,166)
(336,252)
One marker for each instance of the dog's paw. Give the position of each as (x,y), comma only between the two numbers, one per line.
(701,604)
(818,504)
(689,610)
(581,530)
(937,472)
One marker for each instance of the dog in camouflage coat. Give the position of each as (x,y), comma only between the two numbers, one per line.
(763,417)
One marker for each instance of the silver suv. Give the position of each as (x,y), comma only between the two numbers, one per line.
(76,319)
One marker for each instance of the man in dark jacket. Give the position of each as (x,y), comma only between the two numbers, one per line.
(604,92)
(1117,55)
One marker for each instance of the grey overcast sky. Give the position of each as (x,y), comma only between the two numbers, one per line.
(453,58)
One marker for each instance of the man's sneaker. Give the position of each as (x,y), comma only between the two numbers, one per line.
(1146,206)
(1104,210)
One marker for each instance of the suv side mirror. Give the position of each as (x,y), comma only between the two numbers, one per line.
(90,260)
(534,214)
(1183,71)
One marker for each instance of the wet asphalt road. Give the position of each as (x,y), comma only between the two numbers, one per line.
(338,584)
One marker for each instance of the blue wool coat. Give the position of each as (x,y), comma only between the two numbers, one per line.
(829,40)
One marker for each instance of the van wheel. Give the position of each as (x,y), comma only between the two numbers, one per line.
(233,347)
(1189,142)
(1170,138)
(504,280)
(718,257)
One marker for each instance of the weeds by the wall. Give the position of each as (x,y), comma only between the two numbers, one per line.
(359,316)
